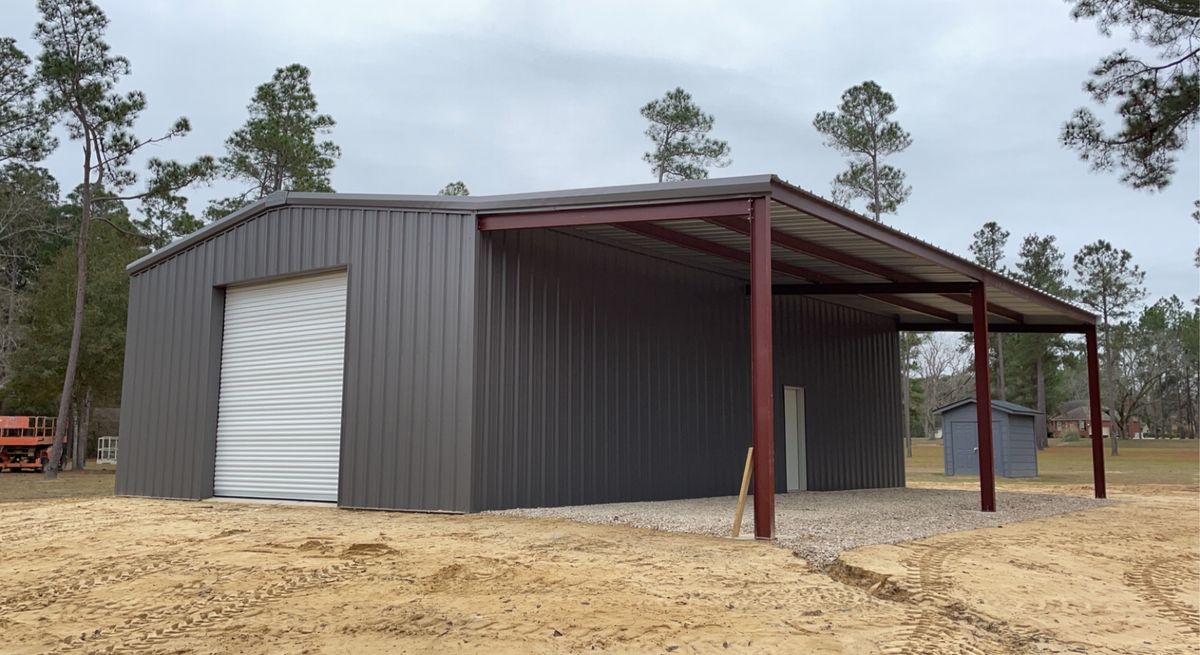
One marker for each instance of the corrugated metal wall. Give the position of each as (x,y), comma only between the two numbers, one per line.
(848,362)
(1020,458)
(406,431)
(605,375)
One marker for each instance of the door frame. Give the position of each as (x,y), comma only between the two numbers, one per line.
(795,438)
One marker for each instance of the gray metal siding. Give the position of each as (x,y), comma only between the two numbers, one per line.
(947,447)
(604,375)
(406,429)
(848,362)
(1022,448)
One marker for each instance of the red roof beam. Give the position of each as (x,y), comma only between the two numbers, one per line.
(702,245)
(993,308)
(806,247)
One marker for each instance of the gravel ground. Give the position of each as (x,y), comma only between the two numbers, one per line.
(820,525)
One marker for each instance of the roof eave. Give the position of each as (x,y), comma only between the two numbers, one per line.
(788,194)
(749,185)
(277,199)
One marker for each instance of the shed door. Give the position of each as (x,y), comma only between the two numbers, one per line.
(964,442)
(279,417)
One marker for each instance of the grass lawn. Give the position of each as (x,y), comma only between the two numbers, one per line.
(95,480)
(1148,462)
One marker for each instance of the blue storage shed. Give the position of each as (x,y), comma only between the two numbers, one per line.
(1014,444)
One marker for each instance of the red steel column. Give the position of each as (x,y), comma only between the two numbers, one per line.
(762,395)
(1097,432)
(983,400)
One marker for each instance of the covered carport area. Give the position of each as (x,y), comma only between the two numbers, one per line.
(783,240)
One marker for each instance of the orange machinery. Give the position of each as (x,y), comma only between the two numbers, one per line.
(25,442)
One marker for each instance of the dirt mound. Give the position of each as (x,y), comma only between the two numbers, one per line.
(367,550)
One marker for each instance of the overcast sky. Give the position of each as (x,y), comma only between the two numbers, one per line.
(514,96)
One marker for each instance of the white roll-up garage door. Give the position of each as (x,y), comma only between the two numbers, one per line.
(280,410)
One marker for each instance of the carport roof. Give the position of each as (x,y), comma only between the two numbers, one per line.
(818,246)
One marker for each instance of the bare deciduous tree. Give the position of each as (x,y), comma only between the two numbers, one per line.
(944,366)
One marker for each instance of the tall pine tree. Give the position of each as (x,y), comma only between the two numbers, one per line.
(81,77)
(1157,95)
(1041,265)
(278,148)
(862,130)
(1111,284)
(988,247)
(679,130)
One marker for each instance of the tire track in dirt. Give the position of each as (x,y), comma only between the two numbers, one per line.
(31,530)
(939,622)
(1162,581)
(103,572)
(928,628)
(153,626)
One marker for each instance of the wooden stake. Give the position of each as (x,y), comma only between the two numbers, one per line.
(737,517)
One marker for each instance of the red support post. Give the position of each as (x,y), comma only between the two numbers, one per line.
(1097,431)
(762,383)
(983,400)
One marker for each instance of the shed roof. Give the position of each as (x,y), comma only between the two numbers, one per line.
(998,405)
(814,241)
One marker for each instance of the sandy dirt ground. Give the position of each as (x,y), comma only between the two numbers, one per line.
(1119,579)
(123,575)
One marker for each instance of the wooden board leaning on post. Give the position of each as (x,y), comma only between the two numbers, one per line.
(741,504)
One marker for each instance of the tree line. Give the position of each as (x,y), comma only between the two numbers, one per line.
(64,291)
(1149,351)
(1150,369)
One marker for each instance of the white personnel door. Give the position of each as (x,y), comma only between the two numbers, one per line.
(279,417)
(795,439)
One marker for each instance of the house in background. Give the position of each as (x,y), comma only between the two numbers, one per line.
(1074,418)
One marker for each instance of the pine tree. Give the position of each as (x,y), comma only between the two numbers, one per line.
(678,129)
(81,78)
(46,323)
(25,117)
(988,247)
(1041,265)
(277,149)
(457,188)
(31,227)
(862,130)
(1110,284)
(1158,101)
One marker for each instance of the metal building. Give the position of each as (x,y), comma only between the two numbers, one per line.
(580,346)
(1014,446)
